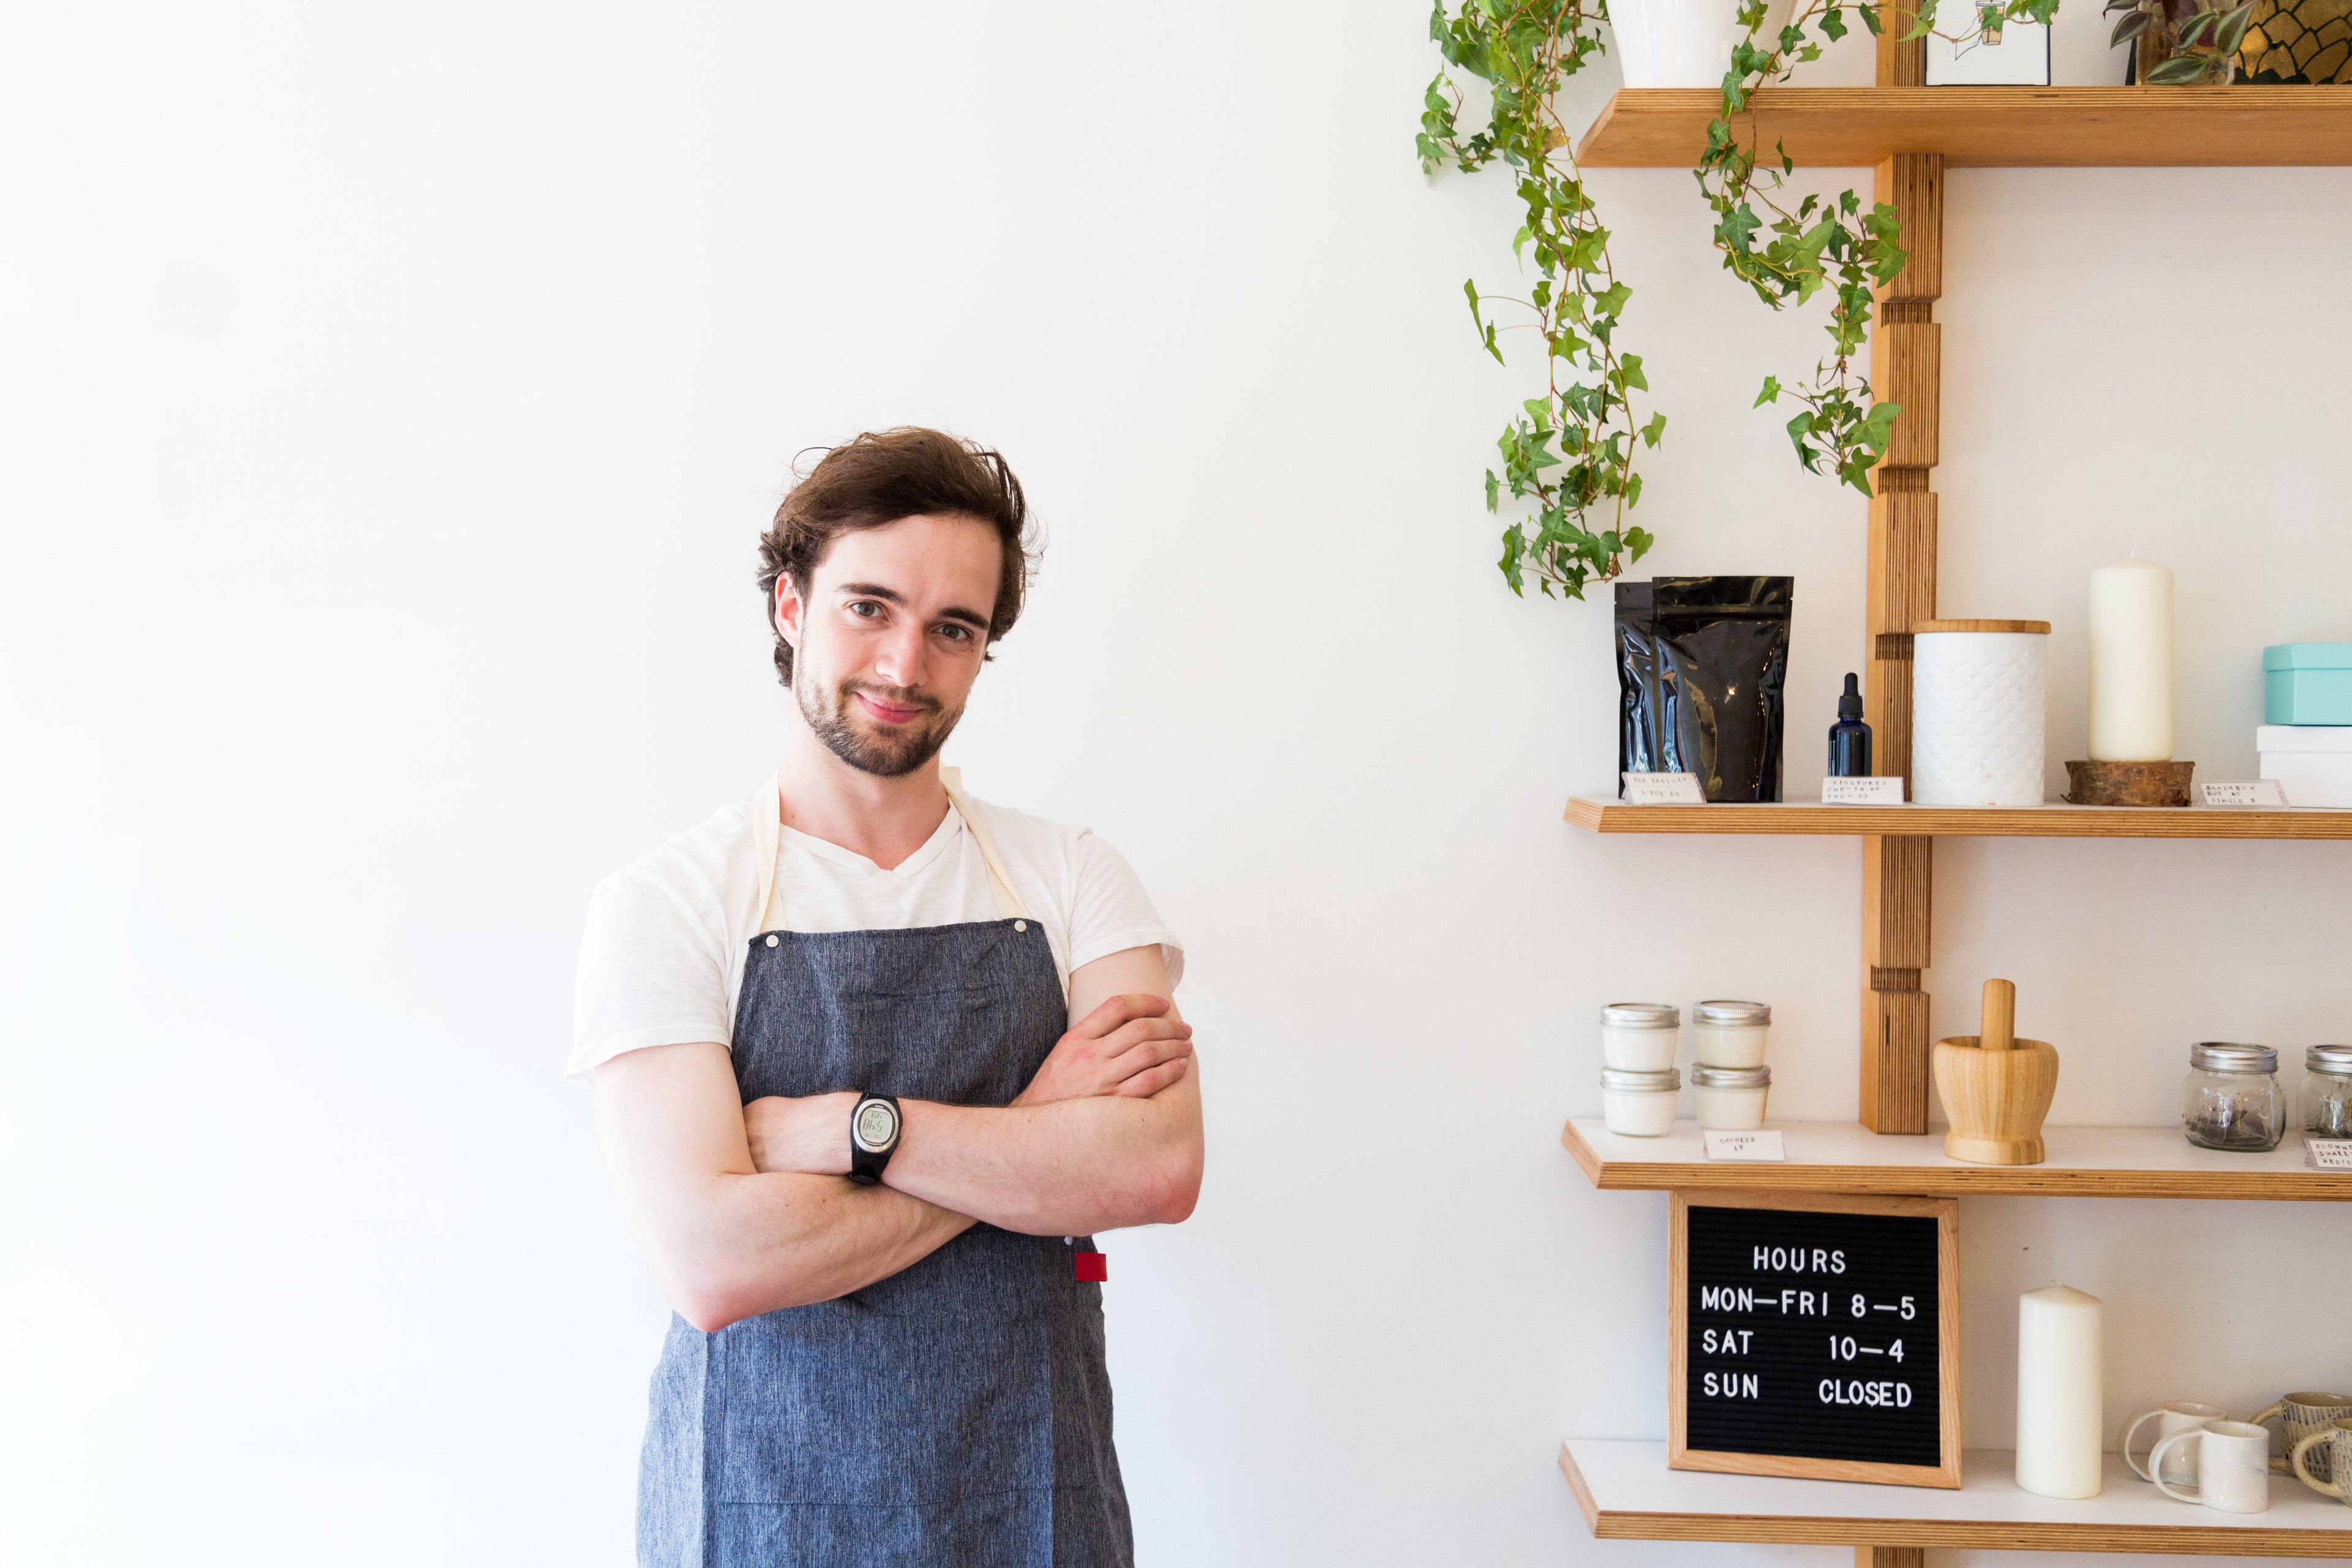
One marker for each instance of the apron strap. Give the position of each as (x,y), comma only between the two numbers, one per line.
(767,826)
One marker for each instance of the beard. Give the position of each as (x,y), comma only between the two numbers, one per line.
(887,753)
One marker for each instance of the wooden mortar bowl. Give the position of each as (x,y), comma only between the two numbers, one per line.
(1996,1099)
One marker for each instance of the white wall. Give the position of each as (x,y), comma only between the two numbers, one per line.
(390,403)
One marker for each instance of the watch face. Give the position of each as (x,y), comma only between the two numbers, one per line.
(877,1125)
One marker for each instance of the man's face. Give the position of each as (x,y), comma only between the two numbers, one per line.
(890,637)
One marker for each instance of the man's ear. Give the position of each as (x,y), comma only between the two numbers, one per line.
(788,611)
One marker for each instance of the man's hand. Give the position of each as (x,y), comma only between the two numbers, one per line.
(809,1135)
(1129,1046)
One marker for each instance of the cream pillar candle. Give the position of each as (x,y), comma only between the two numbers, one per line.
(2131,662)
(2058,1412)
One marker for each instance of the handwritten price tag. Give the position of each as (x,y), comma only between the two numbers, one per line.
(1663,789)
(1861,792)
(1741,1145)
(2247,792)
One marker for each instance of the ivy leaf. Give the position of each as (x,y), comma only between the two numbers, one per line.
(1771,393)
(1833,24)
(1655,429)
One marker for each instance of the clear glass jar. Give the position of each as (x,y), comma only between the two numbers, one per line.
(1640,1036)
(1731,1099)
(1731,1034)
(2230,1099)
(1640,1104)
(2327,1096)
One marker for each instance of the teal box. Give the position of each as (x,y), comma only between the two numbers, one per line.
(2307,683)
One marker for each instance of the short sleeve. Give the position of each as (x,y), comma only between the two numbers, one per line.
(650,974)
(1111,912)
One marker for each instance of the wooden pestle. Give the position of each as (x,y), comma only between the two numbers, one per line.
(1998,1030)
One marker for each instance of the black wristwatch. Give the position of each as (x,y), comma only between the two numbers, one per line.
(873,1134)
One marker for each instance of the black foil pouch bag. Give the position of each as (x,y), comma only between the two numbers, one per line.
(1700,665)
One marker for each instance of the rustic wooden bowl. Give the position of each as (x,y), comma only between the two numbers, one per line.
(1996,1099)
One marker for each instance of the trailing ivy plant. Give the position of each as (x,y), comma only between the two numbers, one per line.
(1569,456)
(1792,254)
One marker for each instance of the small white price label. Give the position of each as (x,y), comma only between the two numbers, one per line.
(1663,789)
(1861,792)
(1742,1145)
(2327,1154)
(2244,792)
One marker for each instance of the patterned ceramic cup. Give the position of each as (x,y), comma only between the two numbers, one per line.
(2311,1458)
(2301,1414)
(2179,1415)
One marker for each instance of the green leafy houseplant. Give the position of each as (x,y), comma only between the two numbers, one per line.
(2199,40)
(1574,531)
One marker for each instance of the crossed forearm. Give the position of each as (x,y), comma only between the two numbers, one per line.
(1068,1168)
(757,1242)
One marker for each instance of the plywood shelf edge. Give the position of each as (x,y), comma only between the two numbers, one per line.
(1625,1492)
(2084,1162)
(2056,820)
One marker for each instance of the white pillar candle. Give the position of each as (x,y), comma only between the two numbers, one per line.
(2058,1410)
(2131,662)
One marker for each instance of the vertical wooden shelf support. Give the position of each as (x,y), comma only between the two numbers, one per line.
(1897,876)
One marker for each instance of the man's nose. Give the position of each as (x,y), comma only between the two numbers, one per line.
(901,659)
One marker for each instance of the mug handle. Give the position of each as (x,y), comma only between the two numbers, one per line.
(2279,1462)
(2294,1460)
(2124,1440)
(2156,1466)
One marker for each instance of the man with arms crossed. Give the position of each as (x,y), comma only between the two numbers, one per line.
(872,1061)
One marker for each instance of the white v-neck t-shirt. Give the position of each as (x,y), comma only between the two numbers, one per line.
(660,964)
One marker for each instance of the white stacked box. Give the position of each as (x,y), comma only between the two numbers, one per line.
(2312,763)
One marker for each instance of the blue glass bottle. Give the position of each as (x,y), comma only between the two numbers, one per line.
(1850,737)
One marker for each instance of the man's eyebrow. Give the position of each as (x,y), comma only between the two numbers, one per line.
(892,596)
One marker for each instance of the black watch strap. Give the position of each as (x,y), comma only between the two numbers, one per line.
(874,1125)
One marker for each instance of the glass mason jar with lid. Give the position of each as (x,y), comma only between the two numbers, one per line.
(2328,1091)
(2230,1099)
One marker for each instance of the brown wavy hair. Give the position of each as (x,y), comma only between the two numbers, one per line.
(879,478)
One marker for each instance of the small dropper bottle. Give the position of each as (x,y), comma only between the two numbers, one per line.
(1850,737)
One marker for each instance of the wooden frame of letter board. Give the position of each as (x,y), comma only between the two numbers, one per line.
(1680,1455)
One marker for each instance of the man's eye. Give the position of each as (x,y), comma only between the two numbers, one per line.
(955,633)
(865,609)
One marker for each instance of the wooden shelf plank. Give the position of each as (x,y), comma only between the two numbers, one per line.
(1627,1493)
(1845,1157)
(1988,127)
(2052,821)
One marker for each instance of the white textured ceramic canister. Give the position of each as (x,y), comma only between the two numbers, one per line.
(1977,692)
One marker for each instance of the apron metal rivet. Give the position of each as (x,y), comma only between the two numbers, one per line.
(1020,925)
(772,941)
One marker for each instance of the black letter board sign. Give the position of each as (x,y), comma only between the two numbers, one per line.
(1816,1335)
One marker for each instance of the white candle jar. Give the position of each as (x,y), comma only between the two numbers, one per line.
(1639,1037)
(1977,690)
(1731,1099)
(1638,1104)
(1731,1034)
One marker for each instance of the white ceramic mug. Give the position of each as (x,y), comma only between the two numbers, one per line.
(2176,1415)
(2311,1461)
(2234,1466)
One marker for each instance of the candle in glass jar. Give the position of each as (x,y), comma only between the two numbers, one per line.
(2059,1419)
(2131,662)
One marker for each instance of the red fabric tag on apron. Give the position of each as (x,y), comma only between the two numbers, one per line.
(1093,1267)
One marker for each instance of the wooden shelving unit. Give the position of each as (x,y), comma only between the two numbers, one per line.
(1841,1157)
(2052,821)
(1909,134)
(1988,127)
(1627,1493)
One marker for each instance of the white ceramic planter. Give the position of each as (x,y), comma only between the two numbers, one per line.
(1684,43)
(1975,715)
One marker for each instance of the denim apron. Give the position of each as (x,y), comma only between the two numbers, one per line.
(957,1413)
